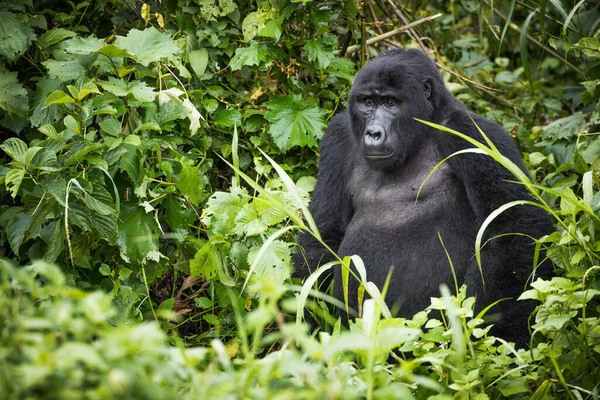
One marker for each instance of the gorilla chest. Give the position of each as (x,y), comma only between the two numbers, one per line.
(393,200)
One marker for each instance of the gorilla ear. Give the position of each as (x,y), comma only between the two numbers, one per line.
(427,87)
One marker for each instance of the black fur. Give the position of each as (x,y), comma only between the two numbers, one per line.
(372,163)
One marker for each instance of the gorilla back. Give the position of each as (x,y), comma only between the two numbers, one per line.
(375,156)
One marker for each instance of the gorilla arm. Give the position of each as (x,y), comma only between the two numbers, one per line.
(506,260)
(330,205)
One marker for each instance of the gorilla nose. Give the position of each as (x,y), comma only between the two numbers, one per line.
(374,133)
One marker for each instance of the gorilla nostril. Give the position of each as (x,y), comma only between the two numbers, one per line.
(373,133)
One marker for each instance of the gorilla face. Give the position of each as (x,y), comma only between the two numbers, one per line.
(386,97)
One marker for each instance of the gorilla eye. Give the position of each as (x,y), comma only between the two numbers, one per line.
(368,101)
(390,102)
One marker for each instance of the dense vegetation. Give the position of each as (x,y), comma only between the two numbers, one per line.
(157,161)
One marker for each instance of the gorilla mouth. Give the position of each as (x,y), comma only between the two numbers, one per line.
(379,156)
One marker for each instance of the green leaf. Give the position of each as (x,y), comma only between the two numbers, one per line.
(83,87)
(112,126)
(198,61)
(16,229)
(79,155)
(589,46)
(46,161)
(294,122)
(141,91)
(54,36)
(564,128)
(321,50)
(252,55)
(248,221)
(206,262)
(65,71)
(13,96)
(228,118)
(58,97)
(225,203)
(15,148)
(115,86)
(138,233)
(13,180)
(15,36)
(80,45)
(510,387)
(252,24)
(274,263)
(190,182)
(148,46)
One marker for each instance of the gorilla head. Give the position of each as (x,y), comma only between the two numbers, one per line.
(388,94)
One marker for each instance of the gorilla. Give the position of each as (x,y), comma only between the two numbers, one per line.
(373,160)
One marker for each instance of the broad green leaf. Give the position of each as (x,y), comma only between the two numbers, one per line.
(29,154)
(190,182)
(206,262)
(510,387)
(198,61)
(112,51)
(248,221)
(225,203)
(251,55)
(83,87)
(273,28)
(79,155)
(342,68)
(54,36)
(13,180)
(138,233)
(229,118)
(564,128)
(55,244)
(15,36)
(252,24)
(294,122)
(58,97)
(13,96)
(65,71)
(49,130)
(193,115)
(112,126)
(43,114)
(589,46)
(15,148)
(148,46)
(141,91)
(71,123)
(46,160)
(321,50)
(81,45)
(16,229)
(115,86)
(269,214)
(130,162)
(274,262)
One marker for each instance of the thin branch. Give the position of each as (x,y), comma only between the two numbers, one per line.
(387,35)
(376,21)
(412,32)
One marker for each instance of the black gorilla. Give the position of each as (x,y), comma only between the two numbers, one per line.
(373,160)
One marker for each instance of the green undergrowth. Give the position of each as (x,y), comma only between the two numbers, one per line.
(156,164)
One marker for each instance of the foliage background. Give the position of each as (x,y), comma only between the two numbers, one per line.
(162,154)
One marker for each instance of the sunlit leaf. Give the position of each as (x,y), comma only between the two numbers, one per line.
(147,46)
(294,122)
